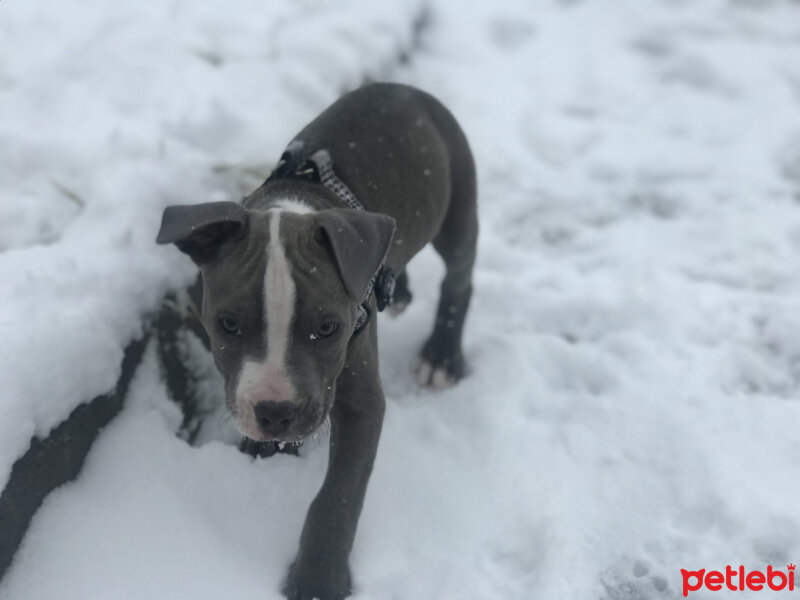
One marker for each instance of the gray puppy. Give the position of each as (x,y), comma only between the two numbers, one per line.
(292,278)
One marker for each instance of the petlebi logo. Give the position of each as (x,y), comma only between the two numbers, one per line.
(739,579)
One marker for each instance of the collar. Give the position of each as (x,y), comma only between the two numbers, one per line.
(319,168)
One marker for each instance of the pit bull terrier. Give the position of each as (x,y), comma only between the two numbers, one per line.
(292,278)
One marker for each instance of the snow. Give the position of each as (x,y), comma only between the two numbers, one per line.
(634,345)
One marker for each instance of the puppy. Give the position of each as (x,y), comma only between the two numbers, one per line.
(293,277)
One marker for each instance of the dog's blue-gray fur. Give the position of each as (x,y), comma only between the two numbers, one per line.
(406,160)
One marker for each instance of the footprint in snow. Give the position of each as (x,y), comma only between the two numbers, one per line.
(635,581)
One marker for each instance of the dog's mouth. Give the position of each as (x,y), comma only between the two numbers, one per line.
(288,438)
(264,438)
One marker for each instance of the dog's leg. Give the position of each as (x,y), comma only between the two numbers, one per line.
(441,362)
(321,568)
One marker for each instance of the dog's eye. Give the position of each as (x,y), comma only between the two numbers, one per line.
(327,328)
(229,324)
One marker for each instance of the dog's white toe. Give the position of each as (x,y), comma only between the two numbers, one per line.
(424,370)
(441,380)
(430,377)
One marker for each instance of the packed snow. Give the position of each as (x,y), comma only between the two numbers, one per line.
(632,406)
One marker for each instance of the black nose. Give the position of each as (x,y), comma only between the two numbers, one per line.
(275,418)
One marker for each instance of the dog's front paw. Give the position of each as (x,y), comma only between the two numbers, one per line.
(310,582)
(439,370)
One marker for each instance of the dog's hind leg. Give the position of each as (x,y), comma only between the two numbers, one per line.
(441,362)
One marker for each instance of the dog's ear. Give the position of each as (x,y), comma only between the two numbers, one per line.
(359,241)
(200,230)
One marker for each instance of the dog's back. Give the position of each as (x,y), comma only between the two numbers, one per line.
(403,154)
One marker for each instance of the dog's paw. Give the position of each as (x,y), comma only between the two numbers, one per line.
(266,449)
(441,374)
(431,376)
(440,366)
(306,582)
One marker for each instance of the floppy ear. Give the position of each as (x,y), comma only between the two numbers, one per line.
(200,229)
(360,241)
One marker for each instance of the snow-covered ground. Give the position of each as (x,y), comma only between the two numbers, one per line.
(633,406)
(109,114)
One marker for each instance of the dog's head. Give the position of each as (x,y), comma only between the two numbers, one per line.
(281,291)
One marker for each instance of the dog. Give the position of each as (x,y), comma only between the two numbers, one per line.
(292,278)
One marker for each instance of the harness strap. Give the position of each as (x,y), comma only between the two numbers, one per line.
(319,168)
(328,178)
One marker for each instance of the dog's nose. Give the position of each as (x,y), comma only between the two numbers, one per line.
(275,418)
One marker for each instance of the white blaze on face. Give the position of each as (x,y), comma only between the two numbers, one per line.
(268,380)
(279,293)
